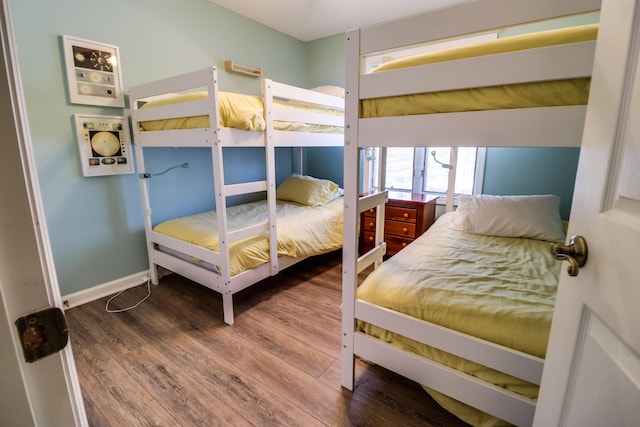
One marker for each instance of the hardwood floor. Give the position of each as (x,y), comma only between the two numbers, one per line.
(173,362)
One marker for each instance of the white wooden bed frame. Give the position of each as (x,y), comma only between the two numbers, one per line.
(216,137)
(527,127)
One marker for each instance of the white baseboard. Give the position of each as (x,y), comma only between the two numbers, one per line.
(96,292)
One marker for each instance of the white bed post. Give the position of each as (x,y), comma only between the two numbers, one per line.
(143,182)
(267,94)
(220,197)
(382,185)
(300,161)
(451,185)
(351,179)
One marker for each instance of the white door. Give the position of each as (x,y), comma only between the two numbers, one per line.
(46,392)
(592,370)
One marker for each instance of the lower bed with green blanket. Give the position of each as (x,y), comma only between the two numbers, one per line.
(499,289)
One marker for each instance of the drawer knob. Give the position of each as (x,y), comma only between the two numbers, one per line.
(371,211)
(404,244)
(371,224)
(405,230)
(406,215)
(371,239)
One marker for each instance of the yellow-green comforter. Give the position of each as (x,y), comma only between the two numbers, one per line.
(500,289)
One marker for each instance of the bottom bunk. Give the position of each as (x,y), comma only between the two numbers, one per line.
(309,222)
(466,309)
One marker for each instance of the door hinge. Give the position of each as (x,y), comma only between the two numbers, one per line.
(42,333)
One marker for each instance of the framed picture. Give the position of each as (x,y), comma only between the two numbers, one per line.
(104,143)
(93,72)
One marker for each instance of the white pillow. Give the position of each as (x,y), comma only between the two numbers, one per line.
(330,90)
(535,217)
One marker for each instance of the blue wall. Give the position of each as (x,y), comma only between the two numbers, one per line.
(95,224)
(516,171)
(326,66)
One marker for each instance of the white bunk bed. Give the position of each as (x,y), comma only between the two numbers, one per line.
(199,98)
(553,126)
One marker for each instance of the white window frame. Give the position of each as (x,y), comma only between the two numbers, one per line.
(419,159)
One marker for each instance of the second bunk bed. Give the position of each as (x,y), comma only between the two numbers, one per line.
(464,310)
(232,247)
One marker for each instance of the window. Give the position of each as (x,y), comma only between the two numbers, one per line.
(414,169)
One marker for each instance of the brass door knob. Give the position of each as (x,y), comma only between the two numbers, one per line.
(576,253)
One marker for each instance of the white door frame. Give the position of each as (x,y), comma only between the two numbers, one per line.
(46,392)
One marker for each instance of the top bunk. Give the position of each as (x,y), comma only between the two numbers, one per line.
(178,112)
(526,90)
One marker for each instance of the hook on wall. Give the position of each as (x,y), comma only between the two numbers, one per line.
(444,165)
(369,154)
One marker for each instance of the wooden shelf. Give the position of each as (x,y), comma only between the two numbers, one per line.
(245,70)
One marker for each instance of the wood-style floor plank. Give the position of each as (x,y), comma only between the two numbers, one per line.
(173,361)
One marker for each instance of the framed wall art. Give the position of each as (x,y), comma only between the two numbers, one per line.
(104,143)
(93,72)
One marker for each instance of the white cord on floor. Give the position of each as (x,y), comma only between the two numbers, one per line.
(109,310)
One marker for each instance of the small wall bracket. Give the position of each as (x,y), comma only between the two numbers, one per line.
(245,70)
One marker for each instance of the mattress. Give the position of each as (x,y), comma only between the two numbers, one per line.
(524,95)
(237,111)
(500,289)
(301,231)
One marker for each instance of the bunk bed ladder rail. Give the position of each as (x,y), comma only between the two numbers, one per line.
(238,282)
(267,94)
(350,262)
(146,211)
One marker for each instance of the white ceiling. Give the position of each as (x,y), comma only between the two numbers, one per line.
(308,20)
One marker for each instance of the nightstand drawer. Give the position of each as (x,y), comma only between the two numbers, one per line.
(395,228)
(395,243)
(369,223)
(395,213)
(398,228)
(367,240)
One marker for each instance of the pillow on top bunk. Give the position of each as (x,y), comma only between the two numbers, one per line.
(330,90)
(534,217)
(307,190)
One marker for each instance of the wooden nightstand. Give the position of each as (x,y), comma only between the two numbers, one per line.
(406,217)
